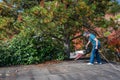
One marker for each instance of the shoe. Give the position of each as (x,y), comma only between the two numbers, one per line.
(90,64)
(98,63)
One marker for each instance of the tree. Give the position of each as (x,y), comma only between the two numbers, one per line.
(114,7)
(10,11)
(7,17)
(60,19)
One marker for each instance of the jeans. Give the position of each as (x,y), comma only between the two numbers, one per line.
(94,54)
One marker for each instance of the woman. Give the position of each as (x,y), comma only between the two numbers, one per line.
(96,45)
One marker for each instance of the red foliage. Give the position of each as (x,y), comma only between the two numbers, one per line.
(77,43)
(114,38)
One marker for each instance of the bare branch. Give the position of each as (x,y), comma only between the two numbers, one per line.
(52,35)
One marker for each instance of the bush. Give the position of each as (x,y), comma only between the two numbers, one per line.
(20,50)
(48,48)
(27,48)
(4,53)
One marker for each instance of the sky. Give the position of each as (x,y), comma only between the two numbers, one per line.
(118,1)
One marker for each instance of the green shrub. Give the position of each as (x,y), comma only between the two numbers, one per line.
(22,49)
(27,48)
(4,55)
(48,48)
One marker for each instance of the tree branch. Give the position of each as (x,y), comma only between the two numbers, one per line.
(50,34)
(89,27)
(76,37)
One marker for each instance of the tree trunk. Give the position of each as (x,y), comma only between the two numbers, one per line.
(67,46)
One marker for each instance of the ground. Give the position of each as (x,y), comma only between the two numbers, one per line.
(65,70)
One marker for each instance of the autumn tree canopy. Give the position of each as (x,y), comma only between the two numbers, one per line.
(59,19)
